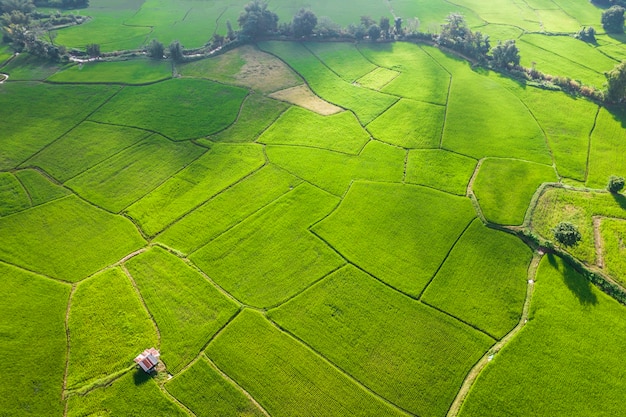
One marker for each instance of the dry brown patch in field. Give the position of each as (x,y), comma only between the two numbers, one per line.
(264,72)
(302,96)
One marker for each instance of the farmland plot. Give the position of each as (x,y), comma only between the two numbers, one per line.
(66,239)
(32,314)
(123,72)
(335,318)
(39,188)
(272,255)
(342,58)
(440,169)
(187,309)
(108,326)
(607,154)
(406,250)
(286,377)
(613,232)
(554,366)
(13,196)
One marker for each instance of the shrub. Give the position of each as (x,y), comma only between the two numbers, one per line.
(566,234)
(616,184)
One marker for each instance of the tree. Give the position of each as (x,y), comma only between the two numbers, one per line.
(385,25)
(218,40)
(303,23)
(367,21)
(373,32)
(566,234)
(231,35)
(256,20)
(454,32)
(397,25)
(505,54)
(176,51)
(616,83)
(586,34)
(24,6)
(613,19)
(155,49)
(616,184)
(93,50)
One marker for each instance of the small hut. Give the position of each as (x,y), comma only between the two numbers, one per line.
(148,360)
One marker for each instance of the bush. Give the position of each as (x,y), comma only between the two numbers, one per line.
(566,234)
(616,184)
(613,19)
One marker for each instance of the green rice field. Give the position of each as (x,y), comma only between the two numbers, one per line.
(304,226)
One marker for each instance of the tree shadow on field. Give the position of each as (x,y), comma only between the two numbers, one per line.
(140,377)
(620,199)
(576,283)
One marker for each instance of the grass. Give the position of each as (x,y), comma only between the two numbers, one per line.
(567,122)
(178,108)
(443,170)
(187,309)
(334,172)
(40,113)
(90,143)
(483,281)
(586,13)
(405,250)
(272,255)
(227,209)
(125,177)
(40,189)
(410,124)
(421,78)
(504,188)
(216,170)
(134,394)
(377,78)
(504,12)
(340,132)
(33,334)
(342,58)
(66,239)
(245,66)
(613,232)
(607,155)
(26,67)
(566,360)
(501,126)
(138,71)
(366,104)
(578,208)
(285,377)
(108,327)
(205,392)
(432,14)
(335,317)
(13,196)
(5,53)
(257,114)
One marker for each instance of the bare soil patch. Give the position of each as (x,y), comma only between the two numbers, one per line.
(264,72)
(302,96)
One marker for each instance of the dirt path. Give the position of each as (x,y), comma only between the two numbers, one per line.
(67,355)
(3,77)
(597,238)
(487,357)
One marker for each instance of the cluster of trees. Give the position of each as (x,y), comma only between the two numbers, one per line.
(613,19)
(62,4)
(586,34)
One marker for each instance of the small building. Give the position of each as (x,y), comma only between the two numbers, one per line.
(148,360)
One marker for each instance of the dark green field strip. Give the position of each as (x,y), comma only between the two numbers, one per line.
(125,177)
(40,189)
(257,114)
(67,239)
(505,187)
(32,316)
(27,67)
(179,108)
(41,113)
(139,71)
(607,153)
(284,376)
(89,144)
(187,309)
(271,255)
(420,227)
(483,280)
(227,209)
(340,132)
(334,172)
(344,59)
(210,174)
(410,124)
(567,122)
(134,394)
(13,196)
(579,208)
(366,104)
(403,358)
(443,170)
(205,392)
(108,327)
(421,78)
(566,361)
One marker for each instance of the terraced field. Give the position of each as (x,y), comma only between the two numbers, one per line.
(308,228)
